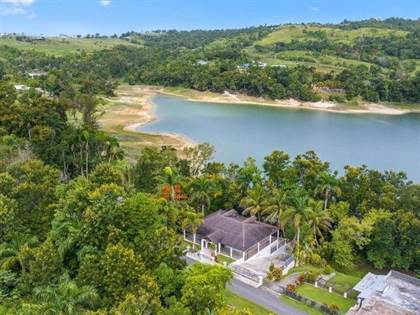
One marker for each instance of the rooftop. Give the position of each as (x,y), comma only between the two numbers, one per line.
(383,293)
(233,230)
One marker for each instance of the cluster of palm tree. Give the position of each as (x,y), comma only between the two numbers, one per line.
(292,207)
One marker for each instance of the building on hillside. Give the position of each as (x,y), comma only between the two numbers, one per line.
(235,236)
(36,73)
(395,293)
(20,88)
(202,62)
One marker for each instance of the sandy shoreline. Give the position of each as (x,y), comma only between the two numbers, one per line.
(136,110)
(228,98)
(133,108)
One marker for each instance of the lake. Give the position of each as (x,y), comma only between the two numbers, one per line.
(240,130)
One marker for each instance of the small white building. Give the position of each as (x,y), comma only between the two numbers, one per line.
(20,88)
(202,62)
(36,73)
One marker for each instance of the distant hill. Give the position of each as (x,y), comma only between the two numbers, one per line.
(60,46)
(370,60)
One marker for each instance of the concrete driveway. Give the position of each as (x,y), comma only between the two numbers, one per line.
(259,296)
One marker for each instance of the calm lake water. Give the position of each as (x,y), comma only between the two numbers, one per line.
(238,131)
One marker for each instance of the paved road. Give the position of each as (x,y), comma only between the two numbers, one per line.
(263,298)
(259,296)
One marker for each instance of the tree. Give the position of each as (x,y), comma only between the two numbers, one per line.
(149,167)
(192,220)
(328,187)
(14,253)
(319,220)
(170,179)
(204,287)
(124,273)
(200,193)
(64,298)
(142,303)
(276,206)
(347,240)
(255,201)
(198,156)
(275,166)
(297,215)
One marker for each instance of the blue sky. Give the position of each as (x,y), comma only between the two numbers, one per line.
(52,17)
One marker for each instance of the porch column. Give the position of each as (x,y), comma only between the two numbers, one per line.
(231,253)
(219,246)
(270,239)
(258,247)
(202,243)
(243,255)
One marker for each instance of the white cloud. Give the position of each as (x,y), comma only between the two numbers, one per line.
(18,2)
(12,11)
(105,3)
(314,9)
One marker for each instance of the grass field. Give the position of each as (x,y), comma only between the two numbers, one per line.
(324,297)
(287,33)
(239,302)
(343,281)
(58,46)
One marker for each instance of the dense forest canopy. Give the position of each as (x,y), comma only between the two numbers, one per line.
(83,231)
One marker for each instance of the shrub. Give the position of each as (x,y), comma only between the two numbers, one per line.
(291,287)
(301,279)
(328,269)
(275,273)
(315,259)
(334,307)
(312,275)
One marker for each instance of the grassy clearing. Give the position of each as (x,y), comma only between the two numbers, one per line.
(342,282)
(287,33)
(300,306)
(239,302)
(324,297)
(58,46)
(293,58)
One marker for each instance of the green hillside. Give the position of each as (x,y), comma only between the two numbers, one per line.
(288,33)
(61,46)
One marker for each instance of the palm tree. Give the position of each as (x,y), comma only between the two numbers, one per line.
(171,179)
(328,188)
(14,253)
(276,206)
(297,215)
(255,201)
(318,220)
(65,298)
(193,220)
(200,193)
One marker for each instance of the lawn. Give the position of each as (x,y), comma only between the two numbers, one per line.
(324,297)
(222,259)
(343,280)
(300,306)
(239,302)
